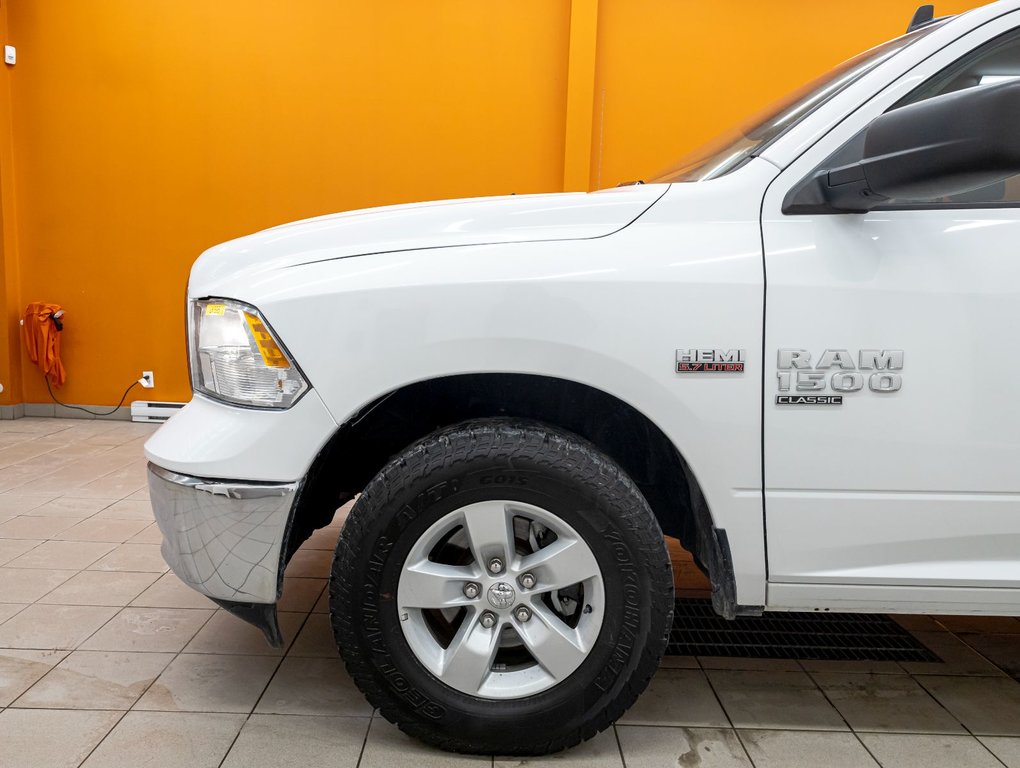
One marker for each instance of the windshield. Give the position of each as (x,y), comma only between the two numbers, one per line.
(730,150)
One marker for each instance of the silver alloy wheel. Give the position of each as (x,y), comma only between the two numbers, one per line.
(513,657)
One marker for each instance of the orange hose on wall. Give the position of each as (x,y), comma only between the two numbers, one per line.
(41,328)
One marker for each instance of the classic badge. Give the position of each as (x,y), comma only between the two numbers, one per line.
(710,360)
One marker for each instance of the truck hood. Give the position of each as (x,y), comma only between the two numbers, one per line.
(443,224)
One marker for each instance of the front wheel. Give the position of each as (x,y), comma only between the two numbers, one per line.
(501,587)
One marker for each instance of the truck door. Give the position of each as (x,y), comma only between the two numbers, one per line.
(891,413)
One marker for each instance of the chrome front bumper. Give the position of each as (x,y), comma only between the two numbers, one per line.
(223,538)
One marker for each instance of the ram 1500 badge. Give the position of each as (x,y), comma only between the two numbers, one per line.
(839,371)
(490,379)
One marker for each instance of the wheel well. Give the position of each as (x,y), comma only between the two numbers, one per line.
(363,445)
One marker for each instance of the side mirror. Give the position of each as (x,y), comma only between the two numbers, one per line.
(945,145)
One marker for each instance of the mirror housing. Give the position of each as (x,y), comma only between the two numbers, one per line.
(945,145)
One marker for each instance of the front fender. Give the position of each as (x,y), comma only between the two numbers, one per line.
(608,312)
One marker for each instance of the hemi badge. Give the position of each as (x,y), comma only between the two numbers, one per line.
(710,360)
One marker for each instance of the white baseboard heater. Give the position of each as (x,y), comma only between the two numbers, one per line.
(152,410)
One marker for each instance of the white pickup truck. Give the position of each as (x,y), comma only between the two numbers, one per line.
(791,352)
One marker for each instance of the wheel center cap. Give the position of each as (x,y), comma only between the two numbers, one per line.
(501,595)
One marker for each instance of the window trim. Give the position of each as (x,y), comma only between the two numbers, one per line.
(945,206)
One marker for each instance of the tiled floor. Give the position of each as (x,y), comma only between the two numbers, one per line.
(107,660)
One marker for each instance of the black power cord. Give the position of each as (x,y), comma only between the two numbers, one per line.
(80,408)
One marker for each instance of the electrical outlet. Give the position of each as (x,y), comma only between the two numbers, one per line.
(148,379)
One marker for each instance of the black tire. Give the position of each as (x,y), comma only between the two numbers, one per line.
(525,462)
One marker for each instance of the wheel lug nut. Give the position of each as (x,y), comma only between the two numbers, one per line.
(528,580)
(471,590)
(495,565)
(522,613)
(488,620)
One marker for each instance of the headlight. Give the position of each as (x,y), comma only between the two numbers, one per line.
(235,357)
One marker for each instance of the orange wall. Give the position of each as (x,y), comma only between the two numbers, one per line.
(144,132)
(672,74)
(147,131)
(10,300)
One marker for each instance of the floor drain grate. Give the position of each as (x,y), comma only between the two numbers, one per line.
(699,631)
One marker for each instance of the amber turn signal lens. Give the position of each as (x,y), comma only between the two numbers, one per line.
(272,355)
